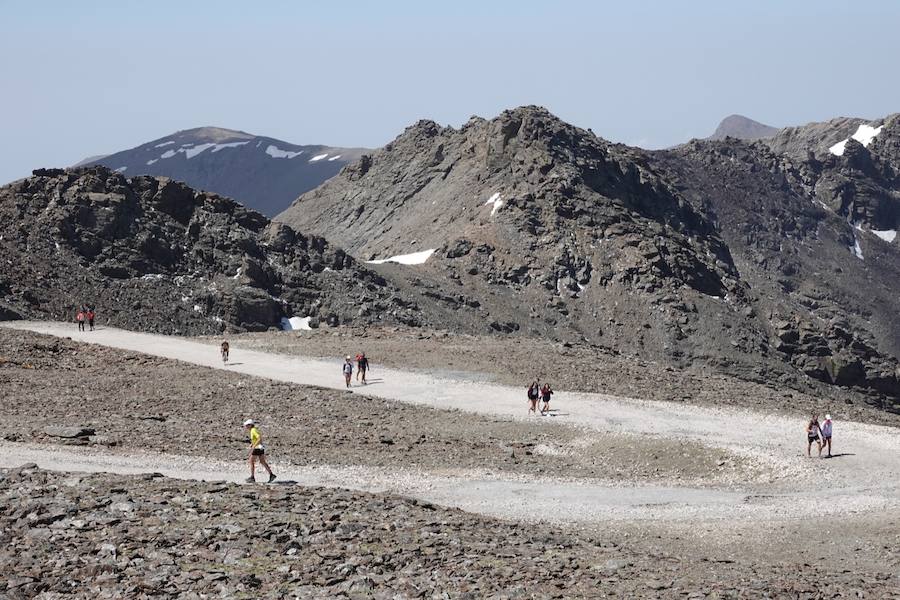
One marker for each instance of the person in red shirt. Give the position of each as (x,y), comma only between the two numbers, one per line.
(90,318)
(79,316)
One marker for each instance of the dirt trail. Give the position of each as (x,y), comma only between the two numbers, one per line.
(863,477)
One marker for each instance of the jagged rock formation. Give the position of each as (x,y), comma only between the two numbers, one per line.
(153,254)
(742,128)
(688,256)
(262,173)
(826,290)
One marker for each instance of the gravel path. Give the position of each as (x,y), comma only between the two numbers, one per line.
(864,475)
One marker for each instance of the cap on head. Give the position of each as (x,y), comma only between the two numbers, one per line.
(348,358)
(249,423)
(827,417)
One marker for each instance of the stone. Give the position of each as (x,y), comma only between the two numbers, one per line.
(68,432)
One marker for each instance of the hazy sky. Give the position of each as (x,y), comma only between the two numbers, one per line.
(84,78)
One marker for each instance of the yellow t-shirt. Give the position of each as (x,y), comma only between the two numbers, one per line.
(254,437)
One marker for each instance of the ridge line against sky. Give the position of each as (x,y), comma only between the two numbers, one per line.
(92,78)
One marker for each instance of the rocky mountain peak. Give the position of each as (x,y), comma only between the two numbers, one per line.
(742,128)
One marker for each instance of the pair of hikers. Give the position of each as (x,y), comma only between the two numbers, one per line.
(535,391)
(815,430)
(85,314)
(362,366)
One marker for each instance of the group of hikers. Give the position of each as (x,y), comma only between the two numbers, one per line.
(257,449)
(537,391)
(816,432)
(85,314)
(362,366)
(820,434)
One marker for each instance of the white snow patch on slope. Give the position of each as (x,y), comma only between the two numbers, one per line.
(887,235)
(416,258)
(497,201)
(318,157)
(164,144)
(864,135)
(276,152)
(121,169)
(295,324)
(150,162)
(229,145)
(856,249)
(192,152)
(334,158)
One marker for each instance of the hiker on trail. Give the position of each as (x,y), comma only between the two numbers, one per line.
(812,435)
(90,318)
(533,394)
(826,435)
(546,392)
(348,371)
(79,316)
(225,348)
(257,450)
(362,365)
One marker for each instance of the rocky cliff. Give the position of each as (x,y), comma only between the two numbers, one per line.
(153,254)
(689,256)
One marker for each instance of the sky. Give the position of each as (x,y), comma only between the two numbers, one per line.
(86,78)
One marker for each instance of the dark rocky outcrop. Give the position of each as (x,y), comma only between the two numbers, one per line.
(153,254)
(686,256)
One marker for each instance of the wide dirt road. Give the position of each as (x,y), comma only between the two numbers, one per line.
(863,477)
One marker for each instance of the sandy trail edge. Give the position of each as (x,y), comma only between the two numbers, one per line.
(522,499)
(866,477)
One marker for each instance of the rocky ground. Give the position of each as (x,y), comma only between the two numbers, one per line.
(105,536)
(57,391)
(571,367)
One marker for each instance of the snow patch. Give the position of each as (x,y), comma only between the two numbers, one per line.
(856,249)
(497,201)
(887,235)
(150,162)
(318,157)
(229,145)
(864,135)
(121,169)
(164,144)
(276,152)
(415,258)
(296,324)
(334,158)
(190,150)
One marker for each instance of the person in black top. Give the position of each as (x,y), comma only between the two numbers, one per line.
(362,365)
(546,392)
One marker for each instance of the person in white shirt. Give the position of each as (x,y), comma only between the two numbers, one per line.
(826,434)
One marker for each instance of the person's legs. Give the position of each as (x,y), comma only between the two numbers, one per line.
(809,448)
(828,444)
(363,372)
(819,444)
(252,466)
(262,461)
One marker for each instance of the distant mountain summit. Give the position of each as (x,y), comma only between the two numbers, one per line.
(264,174)
(742,128)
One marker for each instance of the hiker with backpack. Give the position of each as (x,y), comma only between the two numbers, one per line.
(347,370)
(79,317)
(362,365)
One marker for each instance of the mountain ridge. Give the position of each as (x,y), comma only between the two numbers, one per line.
(261,172)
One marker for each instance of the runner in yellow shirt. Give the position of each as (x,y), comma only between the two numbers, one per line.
(257,450)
